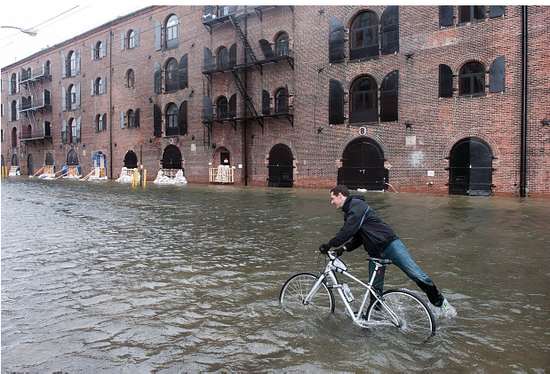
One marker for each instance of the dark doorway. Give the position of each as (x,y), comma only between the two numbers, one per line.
(49,159)
(470,168)
(363,166)
(171,158)
(72,158)
(30,164)
(224,158)
(130,160)
(281,166)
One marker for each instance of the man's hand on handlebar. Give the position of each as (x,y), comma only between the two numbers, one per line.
(325,248)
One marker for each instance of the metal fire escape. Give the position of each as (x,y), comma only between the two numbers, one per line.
(240,71)
(31,104)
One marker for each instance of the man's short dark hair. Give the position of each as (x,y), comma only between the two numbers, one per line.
(340,189)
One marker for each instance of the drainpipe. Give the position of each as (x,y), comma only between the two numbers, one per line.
(245,127)
(110,104)
(523,166)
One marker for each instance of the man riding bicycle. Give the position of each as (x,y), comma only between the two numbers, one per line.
(363,226)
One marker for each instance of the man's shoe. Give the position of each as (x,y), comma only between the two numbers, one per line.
(447,310)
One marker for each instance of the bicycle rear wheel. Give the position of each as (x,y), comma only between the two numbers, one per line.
(294,292)
(414,317)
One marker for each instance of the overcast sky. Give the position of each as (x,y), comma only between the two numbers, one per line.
(55,22)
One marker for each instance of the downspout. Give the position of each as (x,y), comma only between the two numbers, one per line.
(523,165)
(245,127)
(110,104)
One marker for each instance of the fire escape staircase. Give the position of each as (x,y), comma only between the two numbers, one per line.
(30,106)
(251,59)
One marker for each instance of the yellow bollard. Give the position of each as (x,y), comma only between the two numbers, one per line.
(144,177)
(135,178)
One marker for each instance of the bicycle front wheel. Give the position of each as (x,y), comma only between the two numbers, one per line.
(295,290)
(414,317)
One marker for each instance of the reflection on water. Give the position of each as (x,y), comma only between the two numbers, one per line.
(186,278)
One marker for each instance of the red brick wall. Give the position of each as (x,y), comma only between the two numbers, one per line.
(437,123)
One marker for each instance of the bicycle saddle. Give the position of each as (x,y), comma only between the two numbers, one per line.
(381,261)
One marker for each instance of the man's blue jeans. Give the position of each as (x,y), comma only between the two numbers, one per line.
(400,256)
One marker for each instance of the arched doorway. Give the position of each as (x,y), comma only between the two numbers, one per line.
(130,160)
(49,159)
(470,168)
(363,166)
(14,160)
(281,166)
(171,158)
(99,160)
(72,158)
(30,164)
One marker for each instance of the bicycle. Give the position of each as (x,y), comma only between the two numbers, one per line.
(313,294)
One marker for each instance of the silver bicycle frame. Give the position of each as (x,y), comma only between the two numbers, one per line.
(329,272)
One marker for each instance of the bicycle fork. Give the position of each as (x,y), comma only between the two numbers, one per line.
(314,289)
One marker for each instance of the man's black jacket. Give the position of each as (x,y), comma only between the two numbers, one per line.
(362,226)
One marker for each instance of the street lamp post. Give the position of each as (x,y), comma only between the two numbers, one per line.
(31,32)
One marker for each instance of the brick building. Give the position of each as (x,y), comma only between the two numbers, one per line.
(442,99)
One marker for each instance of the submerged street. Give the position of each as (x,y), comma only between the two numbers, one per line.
(103,277)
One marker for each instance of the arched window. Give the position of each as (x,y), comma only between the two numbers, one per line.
(71,97)
(13,84)
(71,64)
(222,107)
(13,111)
(71,131)
(172,120)
(171,77)
(281,101)
(282,45)
(14,137)
(97,86)
(131,37)
(98,49)
(98,123)
(223,58)
(172,32)
(130,78)
(364,36)
(363,101)
(472,79)
(131,119)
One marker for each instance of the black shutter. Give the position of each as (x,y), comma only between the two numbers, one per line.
(183,119)
(266,101)
(158,36)
(182,72)
(446,15)
(232,106)
(157,77)
(208,108)
(136,118)
(336,102)
(390,30)
(445,81)
(157,121)
(266,49)
(496,11)
(208,59)
(389,97)
(336,40)
(496,75)
(233,55)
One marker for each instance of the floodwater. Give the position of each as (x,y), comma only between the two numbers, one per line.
(103,277)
